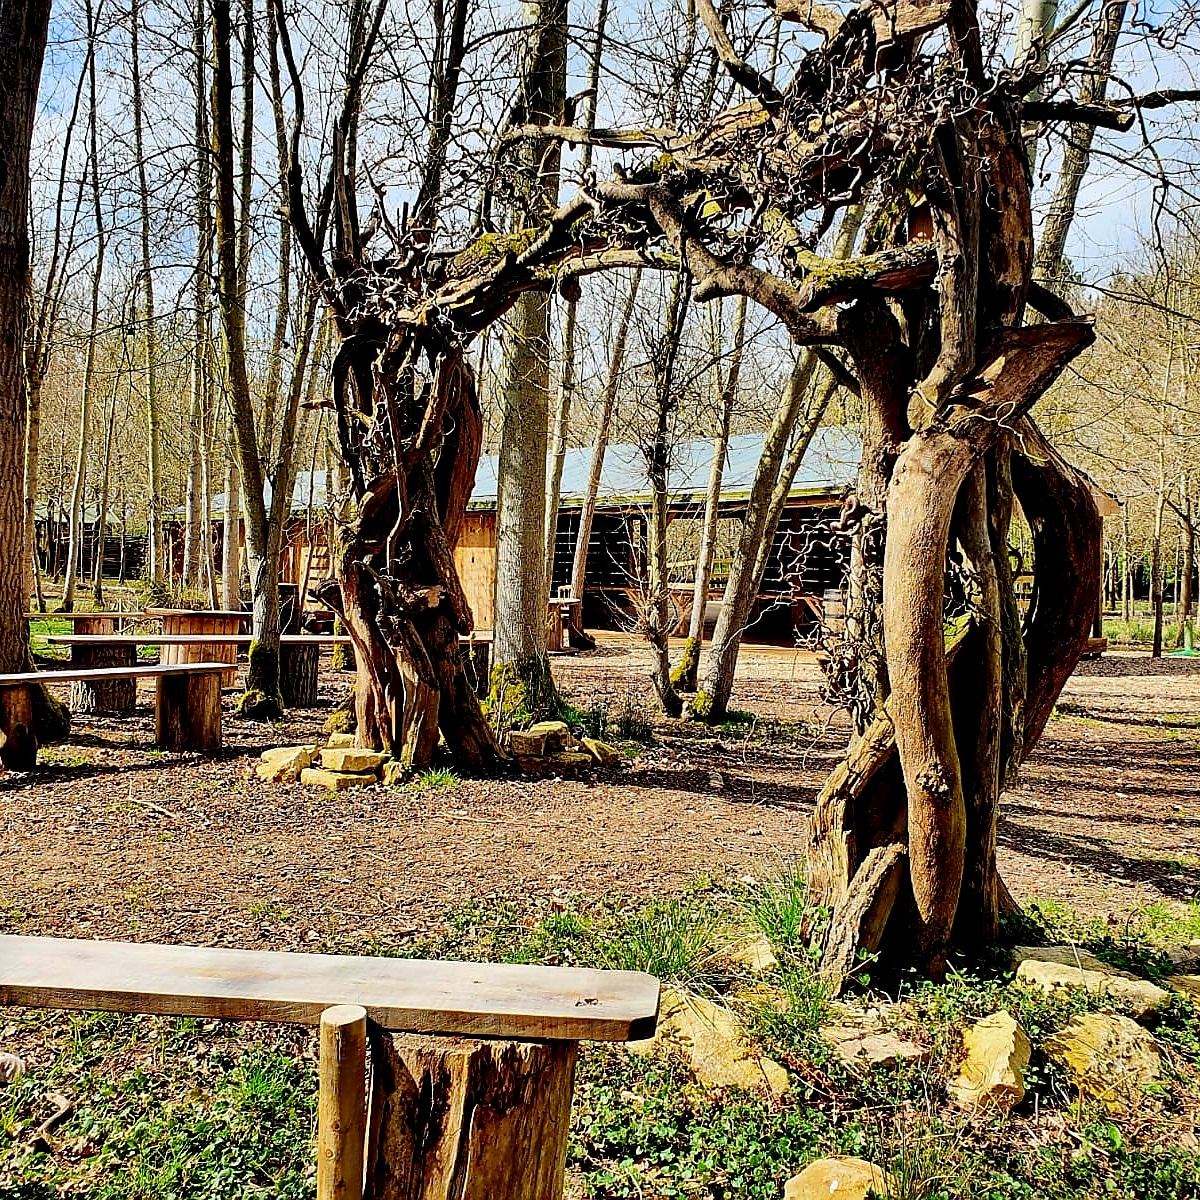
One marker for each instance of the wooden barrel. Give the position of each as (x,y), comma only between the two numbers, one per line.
(194,624)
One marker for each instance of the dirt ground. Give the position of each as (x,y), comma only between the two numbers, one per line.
(114,838)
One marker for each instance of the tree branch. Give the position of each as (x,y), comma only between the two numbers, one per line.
(1104,116)
(740,71)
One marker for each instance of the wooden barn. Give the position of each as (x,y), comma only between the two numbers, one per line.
(807,557)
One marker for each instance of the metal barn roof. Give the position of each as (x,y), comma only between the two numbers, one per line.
(830,465)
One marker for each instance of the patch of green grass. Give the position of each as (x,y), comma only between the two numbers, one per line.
(737,720)
(50,756)
(167,1108)
(435,779)
(268,910)
(631,722)
(778,904)
(673,939)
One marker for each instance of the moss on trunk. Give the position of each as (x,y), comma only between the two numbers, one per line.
(683,678)
(263,700)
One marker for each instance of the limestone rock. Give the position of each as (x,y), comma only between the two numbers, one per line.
(1067,956)
(340,741)
(11,1068)
(604,754)
(558,736)
(284,763)
(350,759)
(753,954)
(1186,959)
(714,1042)
(993,1073)
(839,1179)
(395,773)
(527,744)
(334,781)
(570,760)
(1111,1058)
(859,1047)
(1185,985)
(1048,970)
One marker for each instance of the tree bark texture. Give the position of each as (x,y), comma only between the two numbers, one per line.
(726,393)
(454,1119)
(23,25)
(521,589)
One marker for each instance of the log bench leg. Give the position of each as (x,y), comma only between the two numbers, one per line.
(298,674)
(342,1103)
(455,1119)
(187,711)
(105,695)
(18,745)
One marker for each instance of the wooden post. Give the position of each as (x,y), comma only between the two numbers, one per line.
(342,1103)
(18,745)
(187,711)
(456,1119)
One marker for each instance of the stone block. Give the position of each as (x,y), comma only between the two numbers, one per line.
(355,761)
(334,781)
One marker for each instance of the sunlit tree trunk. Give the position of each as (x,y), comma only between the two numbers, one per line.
(154,502)
(587,511)
(659,612)
(569,368)
(89,368)
(521,614)
(725,393)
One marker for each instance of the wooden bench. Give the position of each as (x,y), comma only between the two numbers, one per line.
(469,1067)
(298,661)
(187,706)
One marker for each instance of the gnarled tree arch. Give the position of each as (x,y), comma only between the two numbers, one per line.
(926,323)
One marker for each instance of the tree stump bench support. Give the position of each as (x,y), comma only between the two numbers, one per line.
(118,696)
(437,1080)
(187,706)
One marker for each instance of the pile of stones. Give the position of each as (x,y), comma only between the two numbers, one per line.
(333,767)
(549,748)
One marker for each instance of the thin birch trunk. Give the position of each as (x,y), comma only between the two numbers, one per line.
(154,526)
(568,381)
(685,674)
(231,537)
(110,421)
(587,512)
(89,369)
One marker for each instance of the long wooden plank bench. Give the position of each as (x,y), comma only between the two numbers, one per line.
(470,1065)
(297,664)
(187,705)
